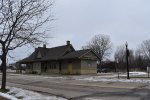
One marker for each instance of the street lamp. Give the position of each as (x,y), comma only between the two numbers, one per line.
(127,55)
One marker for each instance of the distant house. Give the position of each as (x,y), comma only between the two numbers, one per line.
(62,59)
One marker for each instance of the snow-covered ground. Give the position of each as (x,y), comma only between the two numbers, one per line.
(135,73)
(20,94)
(113,78)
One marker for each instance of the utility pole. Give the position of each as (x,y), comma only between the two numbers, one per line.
(127,55)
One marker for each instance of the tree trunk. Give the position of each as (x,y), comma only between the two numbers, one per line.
(100,63)
(3,86)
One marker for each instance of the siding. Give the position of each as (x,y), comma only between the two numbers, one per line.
(88,67)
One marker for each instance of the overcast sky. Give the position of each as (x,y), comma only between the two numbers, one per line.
(79,20)
(122,20)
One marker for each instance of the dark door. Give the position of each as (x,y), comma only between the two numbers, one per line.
(44,67)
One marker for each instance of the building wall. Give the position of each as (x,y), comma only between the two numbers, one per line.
(29,67)
(71,67)
(88,67)
(37,67)
(43,67)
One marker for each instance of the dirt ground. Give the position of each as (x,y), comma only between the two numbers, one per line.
(1,98)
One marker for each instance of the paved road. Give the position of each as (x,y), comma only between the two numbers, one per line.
(80,90)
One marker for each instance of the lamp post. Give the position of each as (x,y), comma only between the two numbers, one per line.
(127,55)
(148,69)
(117,67)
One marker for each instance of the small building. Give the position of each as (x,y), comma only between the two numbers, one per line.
(61,60)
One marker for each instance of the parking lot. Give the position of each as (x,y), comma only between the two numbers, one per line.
(84,87)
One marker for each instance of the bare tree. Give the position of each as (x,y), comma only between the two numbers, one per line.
(145,49)
(21,23)
(101,44)
(139,58)
(143,54)
(120,57)
(131,58)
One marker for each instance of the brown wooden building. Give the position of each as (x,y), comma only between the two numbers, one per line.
(62,59)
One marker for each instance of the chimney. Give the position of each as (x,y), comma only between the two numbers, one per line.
(68,42)
(44,45)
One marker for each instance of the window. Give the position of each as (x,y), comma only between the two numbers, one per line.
(52,66)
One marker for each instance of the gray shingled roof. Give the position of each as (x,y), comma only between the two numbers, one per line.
(56,53)
(47,53)
(75,54)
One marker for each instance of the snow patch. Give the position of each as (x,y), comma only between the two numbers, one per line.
(137,73)
(30,95)
(22,94)
(7,96)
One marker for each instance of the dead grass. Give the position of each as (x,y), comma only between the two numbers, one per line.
(1,98)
